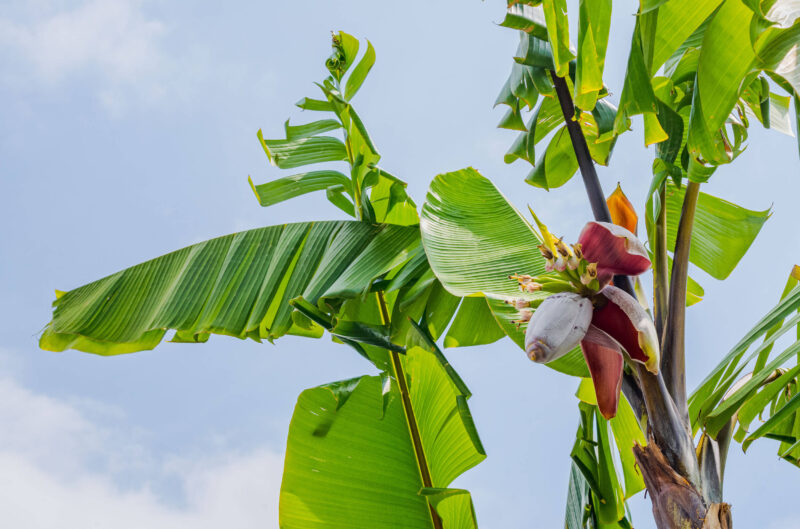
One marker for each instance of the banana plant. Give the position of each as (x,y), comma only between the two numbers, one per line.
(397,284)
(372,450)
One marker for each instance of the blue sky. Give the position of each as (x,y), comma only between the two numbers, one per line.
(127,130)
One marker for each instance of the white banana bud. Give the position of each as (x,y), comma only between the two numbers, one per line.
(557,326)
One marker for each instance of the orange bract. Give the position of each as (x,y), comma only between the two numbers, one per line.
(621,209)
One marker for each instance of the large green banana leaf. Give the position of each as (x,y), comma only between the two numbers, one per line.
(474,239)
(237,285)
(351,463)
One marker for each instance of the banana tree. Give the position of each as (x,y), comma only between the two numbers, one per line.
(396,284)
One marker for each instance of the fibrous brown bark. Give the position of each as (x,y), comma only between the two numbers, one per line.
(676,503)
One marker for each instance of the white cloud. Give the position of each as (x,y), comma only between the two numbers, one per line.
(112,39)
(49,452)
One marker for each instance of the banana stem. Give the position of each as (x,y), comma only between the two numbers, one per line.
(673,358)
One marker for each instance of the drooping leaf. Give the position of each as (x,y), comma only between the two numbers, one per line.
(527,18)
(237,285)
(337,196)
(448,433)
(544,120)
(307,130)
(423,339)
(672,124)
(597,127)
(293,186)
(726,57)
(524,84)
(297,152)
(722,232)
(555,15)
(593,29)
(778,53)
(557,165)
(512,120)
(333,450)
(454,506)
(308,103)
(637,92)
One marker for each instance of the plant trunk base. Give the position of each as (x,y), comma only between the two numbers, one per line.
(718,516)
(676,503)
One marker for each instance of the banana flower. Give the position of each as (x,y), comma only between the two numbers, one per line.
(607,323)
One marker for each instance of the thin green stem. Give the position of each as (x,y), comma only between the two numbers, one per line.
(661,268)
(673,357)
(351,159)
(411,420)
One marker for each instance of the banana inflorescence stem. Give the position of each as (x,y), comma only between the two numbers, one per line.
(664,417)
